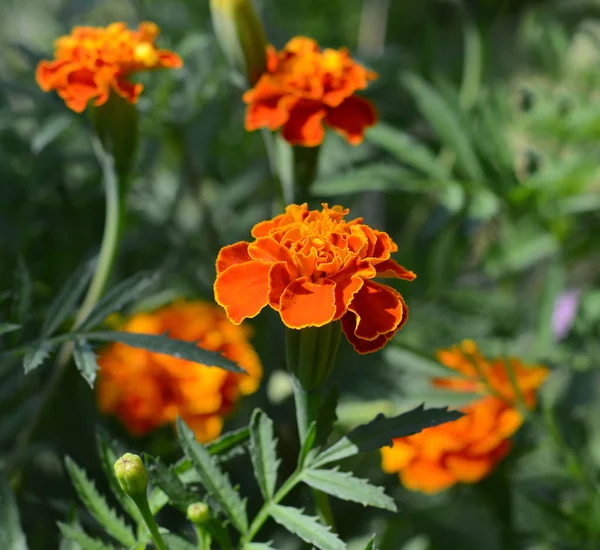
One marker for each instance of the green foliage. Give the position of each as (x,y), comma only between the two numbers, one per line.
(97,506)
(11,534)
(214,480)
(78,535)
(263,452)
(85,359)
(166,479)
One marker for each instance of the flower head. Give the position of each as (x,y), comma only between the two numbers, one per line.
(466,450)
(131,474)
(147,390)
(304,88)
(93,61)
(314,268)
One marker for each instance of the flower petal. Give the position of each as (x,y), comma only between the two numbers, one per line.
(279,279)
(351,118)
(345,290)
(269,250)
(389,268)
(307,304)
(428,477)
(265,108)
(233,254)
(468,469)
(242,289)
(305,125)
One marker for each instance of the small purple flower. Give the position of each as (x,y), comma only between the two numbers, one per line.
(564,313)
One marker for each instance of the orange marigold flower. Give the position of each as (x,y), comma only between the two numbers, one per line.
(92,61)
(314,268)
(304,88)
(147,390)
(466,450)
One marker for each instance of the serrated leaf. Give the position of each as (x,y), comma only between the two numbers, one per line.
(108,457)
(77,534)
(372,544)
(97,506)
(213,479)
(446,123)
(175,542)
(228,441)
(407,149)
(67,299)
(308,444)
(5,328)
(85,359)
(12,536)
(263,453)
(35,356)
(169,346)
(381,431)
(327,416)
(65,542)
(122,294)
(347,487)
(166,479)
(305,527)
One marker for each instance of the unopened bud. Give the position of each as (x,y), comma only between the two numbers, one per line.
(132,475)
(241,36)
(198,513)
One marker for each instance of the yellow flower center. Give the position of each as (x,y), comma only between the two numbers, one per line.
(146,54)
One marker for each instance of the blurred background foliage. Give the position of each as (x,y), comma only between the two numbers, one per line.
(484,170)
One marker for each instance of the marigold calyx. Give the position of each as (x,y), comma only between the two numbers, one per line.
(132,475)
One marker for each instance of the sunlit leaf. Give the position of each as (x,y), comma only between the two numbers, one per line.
(263,452)
(85,360)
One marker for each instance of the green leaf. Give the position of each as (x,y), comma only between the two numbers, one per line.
(5,328)
(214,480)
(163,344)
(77,534)
(12,536)
(407,150)
(65,542)
(35,356)
(97,506)
(67,299)
(372,544)
(263,453)
(49,131)
(166,479)
(345,486)
(108,457)
(121,295)
(381,431)
(446,123)
(175,542)
(411,361)
(257,546)
(327,416)
(307,451)
(21,302)
(85,359)
(228,442)
(306,527)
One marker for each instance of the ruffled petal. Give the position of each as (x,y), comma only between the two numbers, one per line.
(279,279)
(269,250)
(468,469)
(242,289)
(233,254)
(305,125)
(351,118)
(265,106)
(307,304)
(427,477)
(389,268)
(345,290)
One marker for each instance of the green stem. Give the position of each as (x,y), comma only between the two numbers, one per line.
(142,504)
(307,407)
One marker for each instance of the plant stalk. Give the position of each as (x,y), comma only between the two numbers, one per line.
(142,504)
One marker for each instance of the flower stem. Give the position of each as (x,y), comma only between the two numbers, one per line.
(142,504)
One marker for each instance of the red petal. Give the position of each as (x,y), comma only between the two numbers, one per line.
(279,279)
(304,126)
(389,268)
(242,289)
(233,254)
(307,304)
(345,291)
(351,118)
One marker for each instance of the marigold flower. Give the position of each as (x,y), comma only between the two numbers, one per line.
(92,61)
(466,450)
(147,390)
(314,268)
(304,88)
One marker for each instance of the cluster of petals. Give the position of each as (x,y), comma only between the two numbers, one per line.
(146,390)
(304,88)
(92,62)
(468,449)
(315,268)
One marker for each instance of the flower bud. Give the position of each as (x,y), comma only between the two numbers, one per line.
(198,513)
(241,36)
(132,475)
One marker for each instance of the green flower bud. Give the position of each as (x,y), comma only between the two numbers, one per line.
(132,475)
(198,513)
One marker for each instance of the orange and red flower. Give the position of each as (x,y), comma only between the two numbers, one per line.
(466,450)
(146,390)
(304,88)
(314,268)
(93,61)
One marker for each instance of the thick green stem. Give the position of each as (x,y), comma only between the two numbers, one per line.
(142,504)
